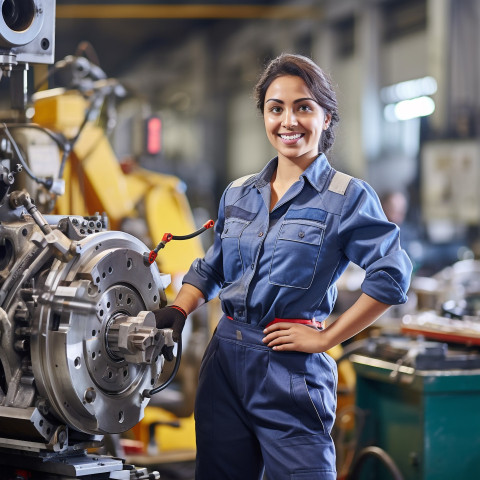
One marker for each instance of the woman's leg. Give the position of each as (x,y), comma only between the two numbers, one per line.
(227,448)
(297,417)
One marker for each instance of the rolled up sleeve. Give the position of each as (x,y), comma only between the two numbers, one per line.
(206,273)
(373,243)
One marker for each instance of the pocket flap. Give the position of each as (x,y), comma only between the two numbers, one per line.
(301,232)
(233,228)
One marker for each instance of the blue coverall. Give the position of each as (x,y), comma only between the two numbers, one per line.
(256,407)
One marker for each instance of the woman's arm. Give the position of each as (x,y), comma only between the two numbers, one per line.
(189,298)
(291,336)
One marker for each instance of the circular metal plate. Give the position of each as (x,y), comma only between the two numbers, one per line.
(88,387)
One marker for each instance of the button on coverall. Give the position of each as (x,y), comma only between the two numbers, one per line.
(256,407)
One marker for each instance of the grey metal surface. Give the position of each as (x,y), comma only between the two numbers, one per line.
(100,393)
(78,342)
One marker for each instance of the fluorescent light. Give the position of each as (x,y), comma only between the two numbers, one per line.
(408,109)
(409,89)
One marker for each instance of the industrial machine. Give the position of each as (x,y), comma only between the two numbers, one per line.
(80,355)
(79,348)
(448,305)
(418,401)
(417,391)
(68,142)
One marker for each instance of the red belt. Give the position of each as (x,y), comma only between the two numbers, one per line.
(313,323)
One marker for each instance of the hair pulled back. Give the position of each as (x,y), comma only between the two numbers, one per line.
(317,82)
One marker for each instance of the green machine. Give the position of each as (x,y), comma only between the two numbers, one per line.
(421,405)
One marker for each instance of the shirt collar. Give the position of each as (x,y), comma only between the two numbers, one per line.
(264,177)
(316,173)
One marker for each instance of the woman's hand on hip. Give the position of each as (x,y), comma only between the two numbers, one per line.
(284,336)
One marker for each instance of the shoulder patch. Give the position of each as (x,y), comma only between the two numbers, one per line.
(239,182)
(339,183)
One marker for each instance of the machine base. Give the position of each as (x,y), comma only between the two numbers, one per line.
(17,465)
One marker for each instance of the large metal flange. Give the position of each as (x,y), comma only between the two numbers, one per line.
(89,386)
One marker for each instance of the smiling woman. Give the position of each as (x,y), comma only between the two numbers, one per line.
(316,84)
(283,237)
(294,119)
(300,111)
(294,123)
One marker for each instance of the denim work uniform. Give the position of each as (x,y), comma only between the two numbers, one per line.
(256,406)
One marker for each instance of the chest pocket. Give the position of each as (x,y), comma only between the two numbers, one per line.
(295,257)
(232,256)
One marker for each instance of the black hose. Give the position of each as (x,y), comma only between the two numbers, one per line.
(63,162)
(60,140)
(46,182)
(169,380)
(149,257)
(379,454)
(190,235)
(57,138)
(95,104)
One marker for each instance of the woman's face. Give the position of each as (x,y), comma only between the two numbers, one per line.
(294,121)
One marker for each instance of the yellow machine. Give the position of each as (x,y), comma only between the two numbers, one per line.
(95,183)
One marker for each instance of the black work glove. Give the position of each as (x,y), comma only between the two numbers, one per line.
(171,317)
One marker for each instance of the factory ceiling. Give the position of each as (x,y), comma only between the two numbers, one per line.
(122,31)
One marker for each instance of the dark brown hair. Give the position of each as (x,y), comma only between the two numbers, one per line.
(316,80)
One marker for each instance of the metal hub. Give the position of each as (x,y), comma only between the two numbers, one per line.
(100,389)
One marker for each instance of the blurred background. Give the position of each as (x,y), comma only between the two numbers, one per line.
(179,104)
(406,74)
